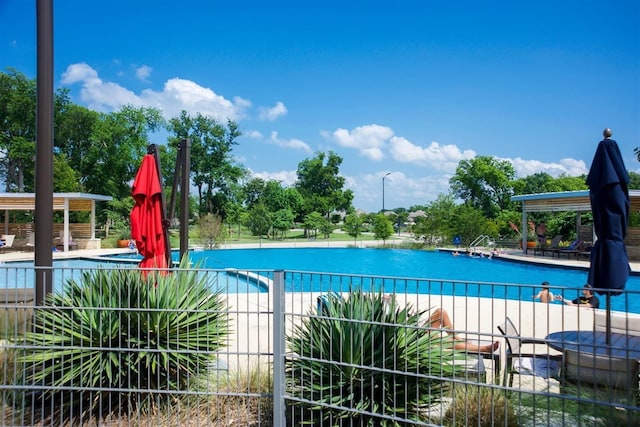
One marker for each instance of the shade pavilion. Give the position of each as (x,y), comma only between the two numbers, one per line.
(576,201)
(66,202)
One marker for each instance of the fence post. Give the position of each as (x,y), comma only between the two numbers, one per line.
(278,349)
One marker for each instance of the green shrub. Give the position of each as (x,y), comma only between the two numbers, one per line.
(116,341)
(364,355)
(480,406)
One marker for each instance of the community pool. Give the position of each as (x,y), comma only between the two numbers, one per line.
(423,272)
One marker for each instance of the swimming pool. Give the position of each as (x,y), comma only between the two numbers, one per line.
(441,267)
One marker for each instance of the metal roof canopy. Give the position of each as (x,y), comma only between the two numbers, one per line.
(61,202)
(577,201)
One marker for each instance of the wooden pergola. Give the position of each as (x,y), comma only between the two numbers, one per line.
(66,202)
(576,201)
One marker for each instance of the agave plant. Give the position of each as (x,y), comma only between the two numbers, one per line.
(362,359)
(114,339)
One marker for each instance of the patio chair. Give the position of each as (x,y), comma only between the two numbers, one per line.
(574,249)
(520,362)
(7,240)
(553,246)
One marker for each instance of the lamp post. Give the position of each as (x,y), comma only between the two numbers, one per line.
(388,173)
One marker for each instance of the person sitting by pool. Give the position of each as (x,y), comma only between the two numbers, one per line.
(588,299)
(545,294)
(440,319)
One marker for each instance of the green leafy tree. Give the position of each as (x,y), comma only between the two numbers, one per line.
(119,142)
(634,180)
(435,227)
(469,222)
(312,223)
(484,182)
(326,228)
(382,227)
(353,225)
(321,185)
(259,221)
(282,222)
(213,169)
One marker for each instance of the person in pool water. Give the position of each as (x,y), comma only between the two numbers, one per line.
(545,294)
(588,299)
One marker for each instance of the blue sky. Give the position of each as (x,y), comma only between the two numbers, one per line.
(408,87)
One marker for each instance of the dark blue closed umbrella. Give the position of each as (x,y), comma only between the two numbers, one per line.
(608,181)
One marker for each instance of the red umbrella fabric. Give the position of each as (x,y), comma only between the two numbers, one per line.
(147,215)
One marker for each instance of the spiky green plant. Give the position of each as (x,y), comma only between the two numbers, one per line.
(116,339)
(363,359)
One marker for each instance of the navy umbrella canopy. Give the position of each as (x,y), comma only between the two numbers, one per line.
(608,181)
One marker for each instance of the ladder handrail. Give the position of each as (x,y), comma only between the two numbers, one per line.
(481,239)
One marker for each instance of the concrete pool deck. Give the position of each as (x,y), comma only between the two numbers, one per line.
(250,315)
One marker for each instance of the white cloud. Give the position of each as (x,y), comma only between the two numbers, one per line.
(272,113)
(286,178)
(177,95)
(253,134)
(400,190)
(143,72)
(96,94)
(436,156)
(570,167)
(289,143)
(368,139)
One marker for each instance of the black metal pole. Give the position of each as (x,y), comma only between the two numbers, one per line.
(184,196)
(44,151)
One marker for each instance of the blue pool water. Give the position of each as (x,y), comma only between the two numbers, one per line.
(441,267)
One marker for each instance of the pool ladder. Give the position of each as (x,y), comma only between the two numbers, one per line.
(481,241)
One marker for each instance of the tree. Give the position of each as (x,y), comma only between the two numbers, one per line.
(312,223)
(382,227)
(634,180)
(118,143)
(211,231)
(469,223)
(435,226)
(326,228)
(321,186)
(259,221)
(353,226)
(282,222)
(213,169)
(485,183)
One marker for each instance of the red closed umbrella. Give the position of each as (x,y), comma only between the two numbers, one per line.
(147,216)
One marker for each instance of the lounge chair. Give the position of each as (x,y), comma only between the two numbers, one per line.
(7,241)
(553,246)
(520,362)
(31,242)
(574,249)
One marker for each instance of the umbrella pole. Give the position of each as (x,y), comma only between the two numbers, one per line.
(608,320)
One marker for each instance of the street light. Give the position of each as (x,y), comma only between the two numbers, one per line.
(388,173)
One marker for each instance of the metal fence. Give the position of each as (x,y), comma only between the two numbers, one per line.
(305,348)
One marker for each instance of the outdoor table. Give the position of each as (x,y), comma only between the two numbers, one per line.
(595,343)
